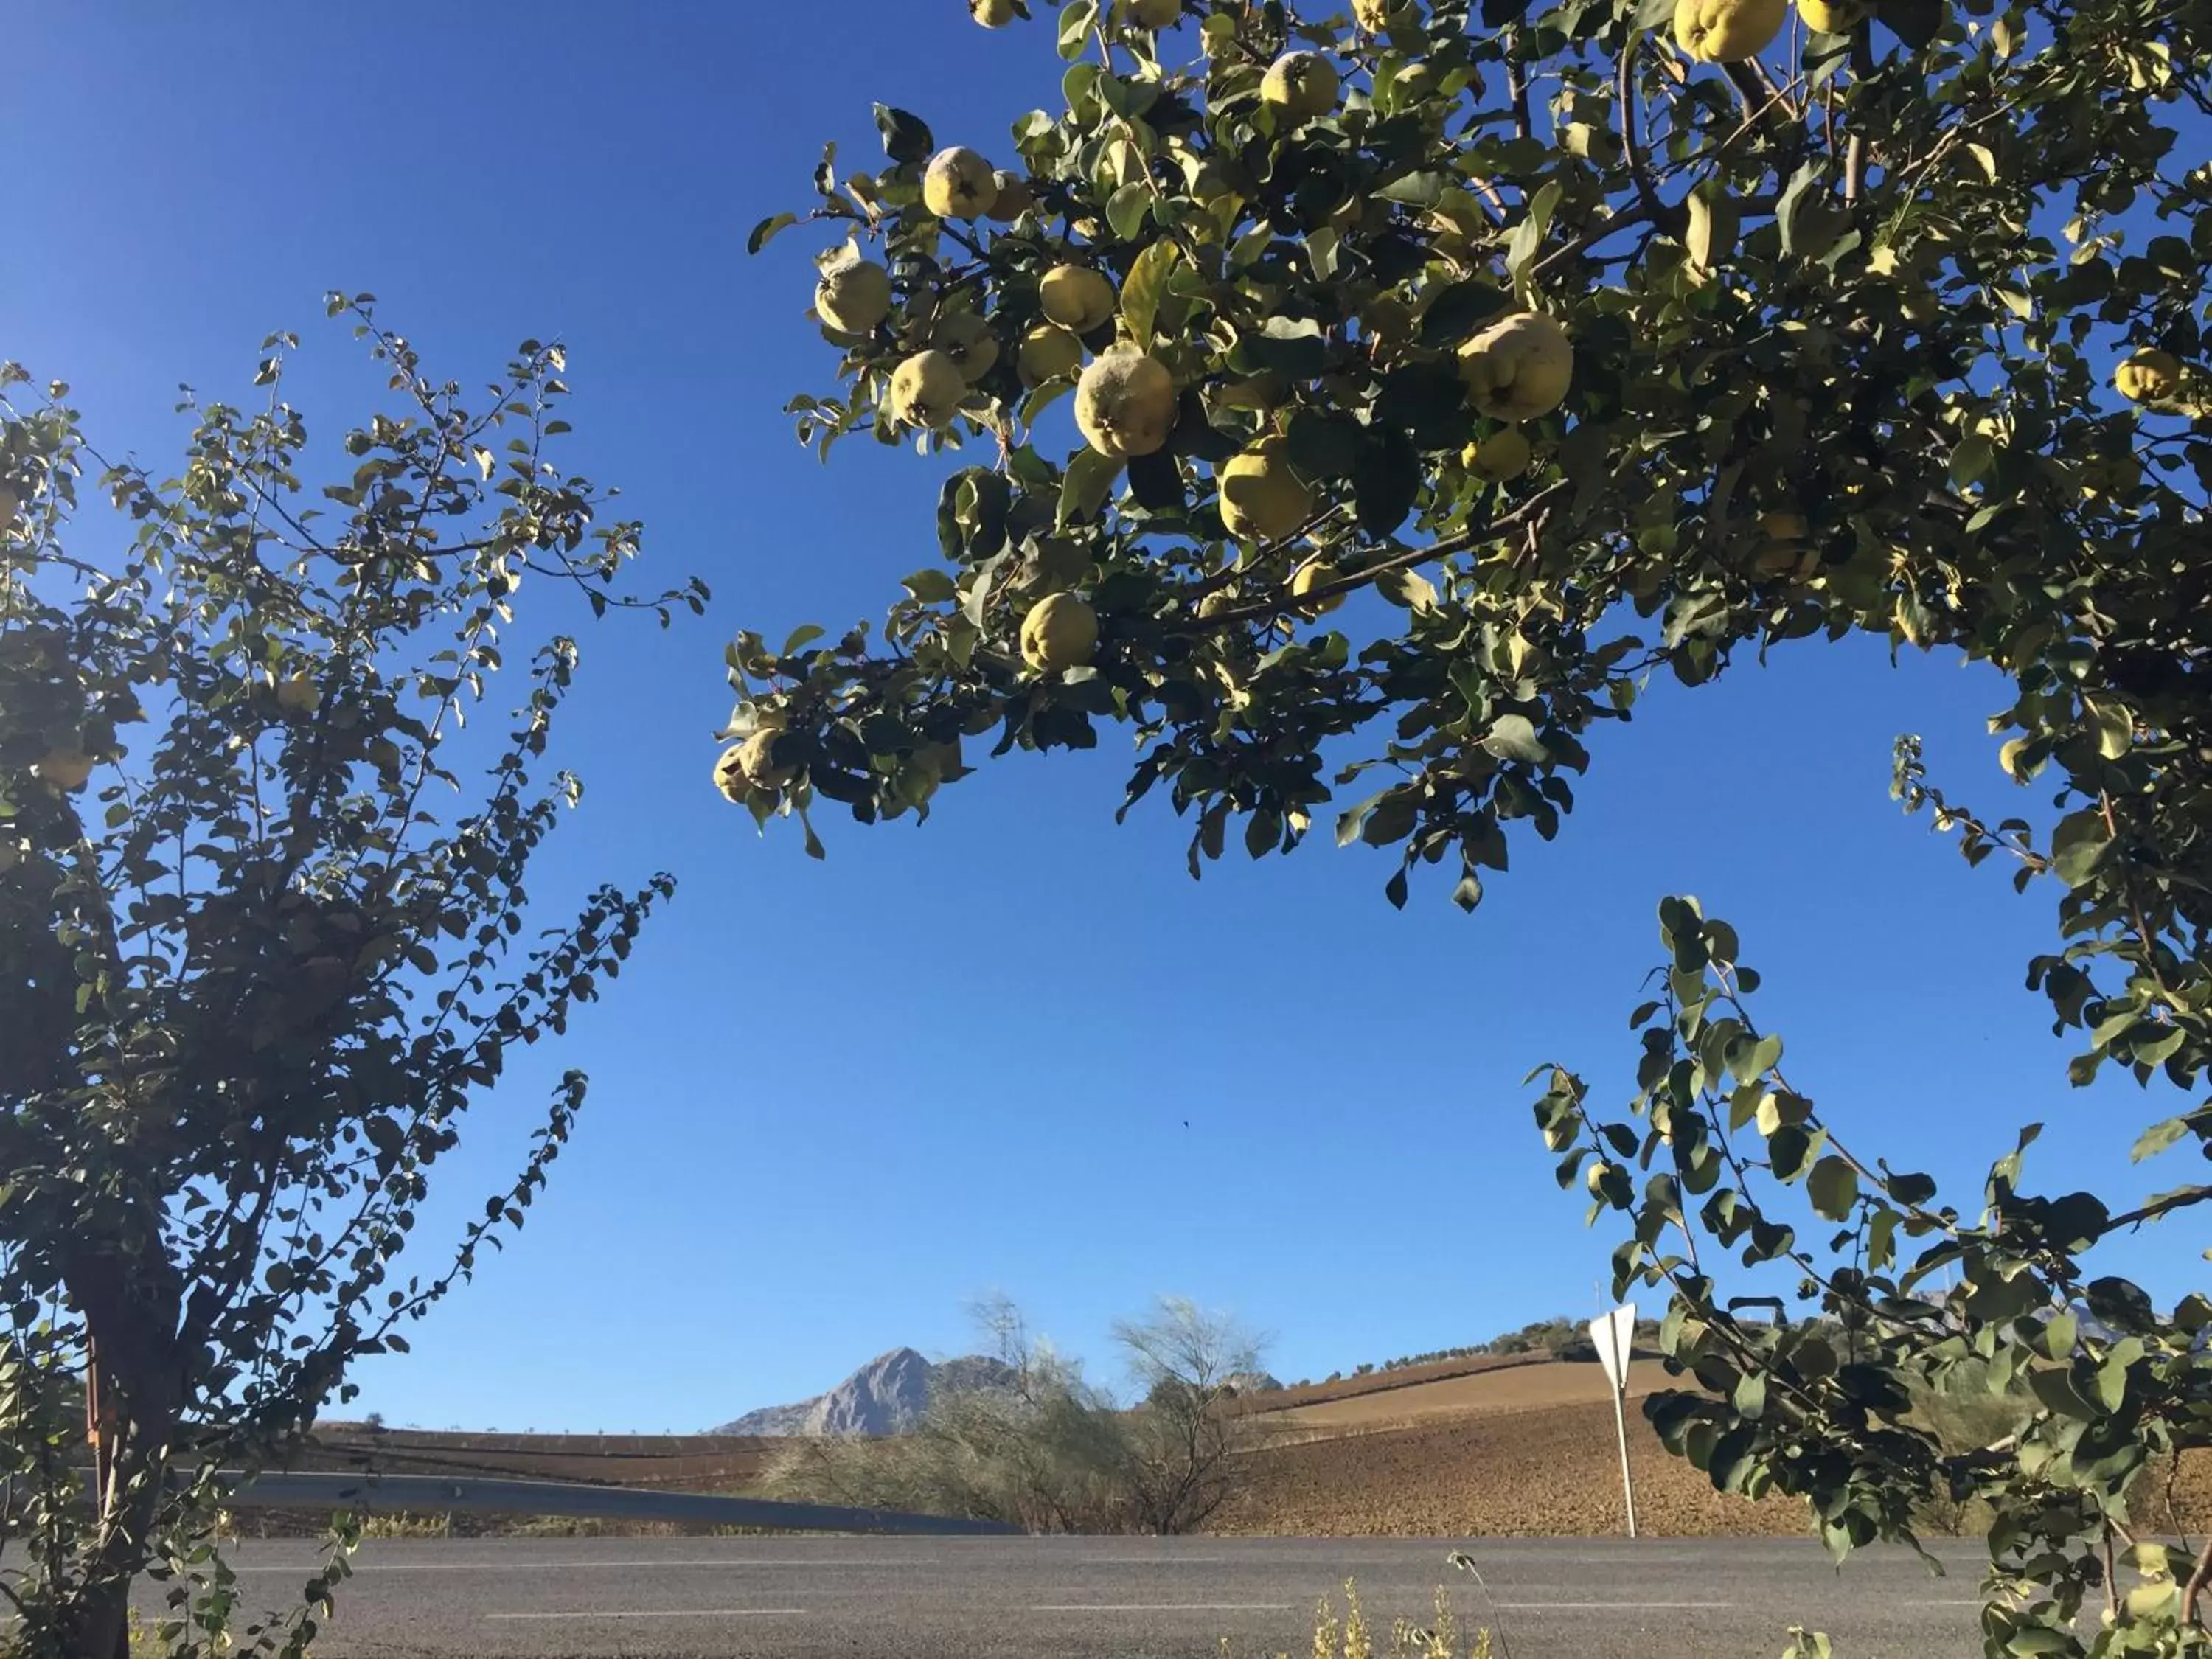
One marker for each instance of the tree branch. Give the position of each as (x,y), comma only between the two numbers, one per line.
(1640,167)
(2158,1207)
(1517,83)
(2195,1587)
(1266,610)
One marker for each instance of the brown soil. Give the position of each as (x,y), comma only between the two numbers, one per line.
(704,1462)
(1533,1453)
(1553,1471)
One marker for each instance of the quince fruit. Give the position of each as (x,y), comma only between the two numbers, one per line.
(298,694)
(1261,498)
(1834,16)
(752,765)
(1726,31)
(1315,573)
(1519,368)
(1076,297)
(968,340)
(2150,376)
(1048,352)
(1125,403)
(958,184)
(1301,84)
(1011,197)
(1504,455)
(854,295)
(1060,632)
(926,389)
(64,768)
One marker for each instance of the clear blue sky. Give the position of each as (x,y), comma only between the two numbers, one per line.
(1018,1048)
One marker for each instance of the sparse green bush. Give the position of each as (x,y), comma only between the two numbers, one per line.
(1052,1452)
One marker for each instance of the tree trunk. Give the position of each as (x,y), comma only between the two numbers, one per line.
(130,1317)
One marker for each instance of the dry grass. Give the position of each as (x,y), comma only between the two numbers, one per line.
(1353,1636)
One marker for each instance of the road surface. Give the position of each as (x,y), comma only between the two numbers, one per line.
(1110,1598)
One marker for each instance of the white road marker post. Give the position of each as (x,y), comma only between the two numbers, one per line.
(1614,1335)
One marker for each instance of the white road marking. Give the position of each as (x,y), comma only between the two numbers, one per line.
(1608,1607)
(662,1612)
(564,1566)
(1163,1607)
(1149,1560)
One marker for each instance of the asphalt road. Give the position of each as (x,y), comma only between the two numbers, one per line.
(1110,1598)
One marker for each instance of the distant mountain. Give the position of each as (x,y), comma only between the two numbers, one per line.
(887,1395)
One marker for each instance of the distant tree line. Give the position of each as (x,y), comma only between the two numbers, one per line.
(1560,1337)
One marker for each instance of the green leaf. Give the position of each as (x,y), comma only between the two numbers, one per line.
(1146,284)
(1157,482)
(1972,460)
(1407,588)
(1452,315)
(2054,1386)
(1262,830)
(2160,1136)
(2115,727)
(1429,400)
(1283,345)
(930,586)
(1750,1397)
(1084,490)
(765,231)
(1916,22)
(906,137)
(2060,1331)
(1787,1150)
(1909,1189)
(1513,736)
(1321,447)
(1075,23)
(1126,210)
(1422,189)
(1833,1187)
(2078,846)
(1801,200)
(1386,479)
(1527,236)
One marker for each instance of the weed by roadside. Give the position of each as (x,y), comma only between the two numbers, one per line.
(1350,1637)
(402,1525)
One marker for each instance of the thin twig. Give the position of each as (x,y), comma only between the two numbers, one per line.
(2195,1587)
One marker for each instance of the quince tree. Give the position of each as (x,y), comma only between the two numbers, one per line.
(1582,341)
